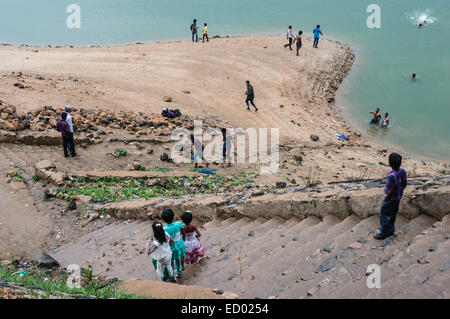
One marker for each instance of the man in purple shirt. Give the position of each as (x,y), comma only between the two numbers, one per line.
(396,182)
(63,127)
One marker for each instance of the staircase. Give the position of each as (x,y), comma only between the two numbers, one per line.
(309,258)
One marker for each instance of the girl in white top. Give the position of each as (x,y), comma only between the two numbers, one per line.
(158,248)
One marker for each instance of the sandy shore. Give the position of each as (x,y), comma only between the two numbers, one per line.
(295,94)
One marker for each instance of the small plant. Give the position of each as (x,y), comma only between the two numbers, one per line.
(310,180)
(35,178)
(162,169)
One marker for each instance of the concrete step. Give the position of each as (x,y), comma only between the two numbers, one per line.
(260,274)
(348,277)
(307,277)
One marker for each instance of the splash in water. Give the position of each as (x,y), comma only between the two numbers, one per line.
(422,17)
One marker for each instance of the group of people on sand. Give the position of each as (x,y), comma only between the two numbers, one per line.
(377,117)
(297,39)
(194,30)
(175,245)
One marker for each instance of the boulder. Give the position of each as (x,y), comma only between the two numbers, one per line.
(167,99)
(46,261)
(314,138)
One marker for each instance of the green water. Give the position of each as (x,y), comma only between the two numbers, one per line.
(385,57)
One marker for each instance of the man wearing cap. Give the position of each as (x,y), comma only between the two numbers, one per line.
(71,138)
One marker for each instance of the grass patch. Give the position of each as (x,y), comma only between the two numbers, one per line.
(116,189)
(35,279)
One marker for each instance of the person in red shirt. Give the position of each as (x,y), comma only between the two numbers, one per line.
(63,127)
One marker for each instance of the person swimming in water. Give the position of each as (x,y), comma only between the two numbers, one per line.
(413,77)
(385,121)
(376,116)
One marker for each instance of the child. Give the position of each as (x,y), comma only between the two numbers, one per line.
(298,39)
(205,32)
(385,121)
(194,249)
(158,248)
(396,182)
(175,230)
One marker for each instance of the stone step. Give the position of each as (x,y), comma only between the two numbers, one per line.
(308,278)
(435,271)
(259,276)
(292,266)
(351,263)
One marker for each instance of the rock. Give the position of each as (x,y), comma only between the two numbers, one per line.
(46,261)
(44,165)
(445,266)
(218,291)
(162,182)
(298,159)
(433,248)
(72,205)
(251,234)
(327,265)
(149,151)
(312,291)
(19,85)
(82,198)
(314,138)
(164,157)
(167,99)
(387,241)
(281,185)
(136,165)
(49,193)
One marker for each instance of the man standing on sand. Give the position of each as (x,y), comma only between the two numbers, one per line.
(63,127)
(250,93)
(70,122)
(317,32)
(290,38)
(376,116)
(194,31)
(396,182)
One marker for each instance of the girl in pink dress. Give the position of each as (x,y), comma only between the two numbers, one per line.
(194,248)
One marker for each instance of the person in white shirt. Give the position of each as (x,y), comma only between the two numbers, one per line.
(70,123)
(290,37)
(198,150)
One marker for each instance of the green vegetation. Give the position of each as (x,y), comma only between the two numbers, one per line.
(163,169)
(35,279)
(17,176)
(116,189)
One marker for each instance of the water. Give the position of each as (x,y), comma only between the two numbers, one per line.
(419,111)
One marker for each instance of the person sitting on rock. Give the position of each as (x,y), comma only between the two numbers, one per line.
(63,127)
(158,248)
(396,182)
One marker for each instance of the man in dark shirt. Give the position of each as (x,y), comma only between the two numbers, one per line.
(250,96)
(63,127)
